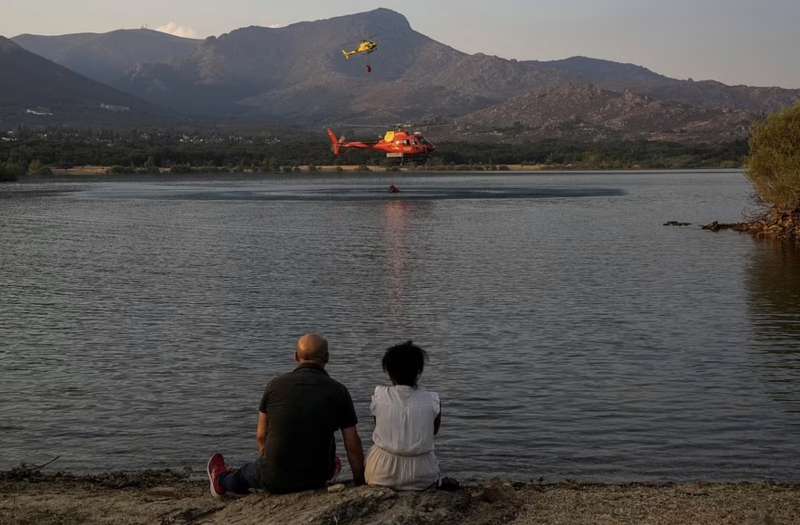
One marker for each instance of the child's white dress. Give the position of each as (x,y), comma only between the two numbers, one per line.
(402,455)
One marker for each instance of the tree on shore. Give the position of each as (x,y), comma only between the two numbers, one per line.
(10,171)
(37,168)
(150,165)
(773,166)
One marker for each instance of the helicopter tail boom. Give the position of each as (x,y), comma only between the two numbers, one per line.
(338,143)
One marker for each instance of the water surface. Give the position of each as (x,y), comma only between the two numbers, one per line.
(571,335)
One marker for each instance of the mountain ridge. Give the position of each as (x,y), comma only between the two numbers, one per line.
(588,112)
(27,94)
(295,75)
(105,57)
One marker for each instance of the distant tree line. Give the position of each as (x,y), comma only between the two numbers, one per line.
(601,155)
(36,151)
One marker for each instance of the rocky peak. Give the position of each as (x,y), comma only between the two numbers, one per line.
(7,46)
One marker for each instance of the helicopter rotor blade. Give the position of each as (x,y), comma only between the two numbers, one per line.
(363,125)
(405,125)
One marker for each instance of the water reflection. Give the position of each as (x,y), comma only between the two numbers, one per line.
(400,219)
(396,214)
(774,287)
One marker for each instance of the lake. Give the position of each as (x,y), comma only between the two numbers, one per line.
(570,334)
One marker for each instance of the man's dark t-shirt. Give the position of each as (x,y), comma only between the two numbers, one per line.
(304,410)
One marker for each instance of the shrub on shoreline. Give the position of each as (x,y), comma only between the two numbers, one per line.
(9,172)
(773,166)
(36,168)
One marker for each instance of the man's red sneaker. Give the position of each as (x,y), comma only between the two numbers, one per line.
(216,468)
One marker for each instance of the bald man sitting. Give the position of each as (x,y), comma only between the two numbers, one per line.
(298,417)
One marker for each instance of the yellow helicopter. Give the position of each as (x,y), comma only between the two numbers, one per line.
(364,48)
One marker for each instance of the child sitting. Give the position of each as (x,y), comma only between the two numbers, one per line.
(407,418)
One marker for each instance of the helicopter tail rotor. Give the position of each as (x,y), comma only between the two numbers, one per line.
(335,142)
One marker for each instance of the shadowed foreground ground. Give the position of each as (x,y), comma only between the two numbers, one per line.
(168,498)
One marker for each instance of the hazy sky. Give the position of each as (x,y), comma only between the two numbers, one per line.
(735,41)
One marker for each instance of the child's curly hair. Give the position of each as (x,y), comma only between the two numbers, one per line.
(404,363)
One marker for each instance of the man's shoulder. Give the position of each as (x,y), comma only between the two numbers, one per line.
(278,380)
(302,375)
(338,385)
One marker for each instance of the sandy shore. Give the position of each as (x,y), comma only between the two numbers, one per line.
(169,498)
